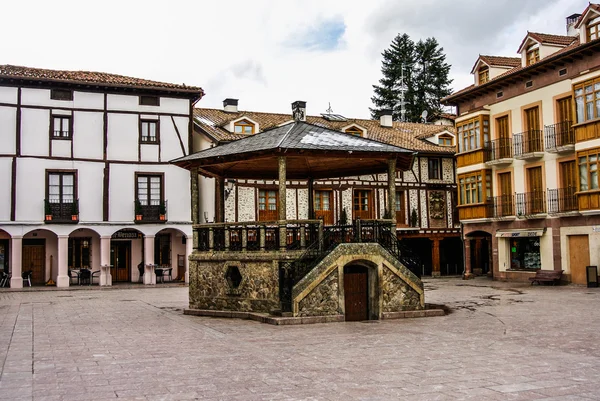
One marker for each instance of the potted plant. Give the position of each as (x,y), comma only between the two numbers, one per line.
(47,210)
(414,219)
(75,211)
(138,210)
(162,210)
(343,217)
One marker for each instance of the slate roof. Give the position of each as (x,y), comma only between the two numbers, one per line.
(403,135)
(90,77)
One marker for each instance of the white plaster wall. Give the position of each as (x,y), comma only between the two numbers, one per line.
(5,184)
(123,137)
(35,132)
(88,135)
(170,146)
(206,187)
(246,204)
(88,100)
(41,97)
(149,153)
(8,95)
(495,71)
(90,182)
(8,127)
(131,103)
(61,148)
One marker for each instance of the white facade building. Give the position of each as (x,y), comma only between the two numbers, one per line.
(84,167)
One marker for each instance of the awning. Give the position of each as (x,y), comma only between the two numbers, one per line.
(536,232)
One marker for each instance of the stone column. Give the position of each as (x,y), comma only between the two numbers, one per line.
(281,211)
(189,249)
(220,200)
(435,257)
(16,259)
(62,280)
(105,276)
(311,200)
(391,206)
(149,274)
(467,275)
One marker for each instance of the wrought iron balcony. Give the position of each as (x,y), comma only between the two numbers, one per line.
(560,137)
(499,151)
(152,213)
(531,204)
(562,200)
(501,206)
(528,145)
(57,211)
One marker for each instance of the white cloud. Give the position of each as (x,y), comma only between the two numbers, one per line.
(267,53)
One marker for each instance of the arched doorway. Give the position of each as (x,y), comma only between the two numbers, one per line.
(360,291)
(480,252)
(4,251)
(170,251)
(39,255)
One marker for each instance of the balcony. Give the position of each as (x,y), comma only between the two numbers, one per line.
(151,214)
(60,212)
(501,207)
(531,205)
(560,137)
(528,145)
(499,152)
(562,202)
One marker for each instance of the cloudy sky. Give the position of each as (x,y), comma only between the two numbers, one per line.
(267,53)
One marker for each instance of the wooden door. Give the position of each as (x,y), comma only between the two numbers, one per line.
(400,209)
(34,255)
(120,260)
(268,203)
(532,126)
(363,204)
(323,206)
(503,148)
(579,258)
(536,191)
(356,293)
(568,186)
(4,255)
(506,194)
(564,109)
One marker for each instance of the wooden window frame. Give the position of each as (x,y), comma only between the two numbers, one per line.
(61,94)
(147,100)
(71,246)
(483,74)
(69,126)
(148,176)
(162,239)
(157,130)
(370,203)
(400,204)
(591,96)
(464,131)
(445,137)
(318,205)
(354,131)
(532,56)
(587,155)
(244,123)
(62,173)
(434,173)
(266,211)
(482,191)
(592,29)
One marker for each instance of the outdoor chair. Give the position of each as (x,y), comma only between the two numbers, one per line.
(73,276)
(27,277)
(141,270)
(4,279)
(85,277)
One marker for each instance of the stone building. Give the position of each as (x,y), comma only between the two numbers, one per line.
(425,197)
(528,144)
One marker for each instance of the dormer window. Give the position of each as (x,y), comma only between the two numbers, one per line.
(533,56)
(445,140)
(354,131)
(243,127)
(484,74)
(593,30)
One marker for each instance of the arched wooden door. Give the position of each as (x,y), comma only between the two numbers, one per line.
(356,292)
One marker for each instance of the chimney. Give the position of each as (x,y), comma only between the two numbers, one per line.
(299,110)
(571,21)
(386,118)
(230,105)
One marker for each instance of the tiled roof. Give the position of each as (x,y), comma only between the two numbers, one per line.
(404,135)
(544,38)
(591,6)
(89,77)
(501,61)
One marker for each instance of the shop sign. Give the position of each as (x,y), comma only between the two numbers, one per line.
(126,235)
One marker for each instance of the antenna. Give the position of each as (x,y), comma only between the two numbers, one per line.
(329,110)
(402,88)
(424,116)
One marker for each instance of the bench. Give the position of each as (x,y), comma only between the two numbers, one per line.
(548,276)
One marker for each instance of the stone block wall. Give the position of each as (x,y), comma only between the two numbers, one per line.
(397,295)
(323,300)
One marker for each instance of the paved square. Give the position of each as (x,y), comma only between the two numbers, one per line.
(499,341)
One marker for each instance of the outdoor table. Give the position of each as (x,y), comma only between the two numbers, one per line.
(160,271)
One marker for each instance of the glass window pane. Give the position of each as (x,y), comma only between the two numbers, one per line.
(583,184)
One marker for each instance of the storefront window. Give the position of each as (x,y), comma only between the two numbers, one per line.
(525,253)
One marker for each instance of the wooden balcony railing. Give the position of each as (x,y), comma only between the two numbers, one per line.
(562,200)
(57,211)
(559,135)
(531,203)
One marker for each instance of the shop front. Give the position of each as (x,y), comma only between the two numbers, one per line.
(524,248)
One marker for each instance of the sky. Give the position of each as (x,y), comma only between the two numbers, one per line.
(267,53)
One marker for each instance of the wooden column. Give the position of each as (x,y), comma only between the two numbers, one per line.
(195,196)
(219,200)
(311,199)
(435,257)
(281,211)
(467,275)
(391,206)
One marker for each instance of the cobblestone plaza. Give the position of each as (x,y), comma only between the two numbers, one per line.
(498,341)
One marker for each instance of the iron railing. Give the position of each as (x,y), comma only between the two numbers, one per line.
(155,212)
(562,200)
(528,142)
(531,203)
(559,134)
(58,211)
(498,149)
(501,206)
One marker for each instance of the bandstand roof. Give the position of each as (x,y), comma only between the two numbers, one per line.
(311,152)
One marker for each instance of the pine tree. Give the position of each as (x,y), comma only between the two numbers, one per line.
(425,78)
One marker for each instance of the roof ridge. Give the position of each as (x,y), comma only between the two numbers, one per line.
(293,125)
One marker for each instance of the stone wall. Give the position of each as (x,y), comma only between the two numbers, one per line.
(323,300)
(397,294)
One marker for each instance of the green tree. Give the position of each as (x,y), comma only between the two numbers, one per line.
(425,79)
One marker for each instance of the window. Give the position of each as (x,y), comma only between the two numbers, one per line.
(148,131)
(445,140)
(243,127)
(267,205)
(149,190)
(587,100)
(471,135)
(562,72)
(400,208)
(533,56)
(592,31)
(434,168)
(61,94)
(363,204)
(484,74)
(61,187)
(354,131)
(61,127)
(525,253)
(588,170)
(80,253)
(149,101)
(323,206)
(499,94)
(162,249)
(475,187)
(528,84)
